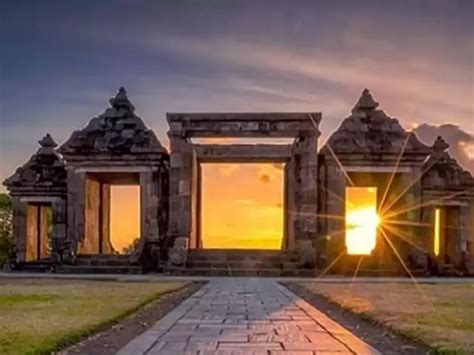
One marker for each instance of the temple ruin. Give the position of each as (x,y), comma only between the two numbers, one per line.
(418,203)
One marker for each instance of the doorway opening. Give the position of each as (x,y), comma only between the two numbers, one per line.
(124,218)
(38,231)
(112,213)
(361,220)
(445,234)
(242,206)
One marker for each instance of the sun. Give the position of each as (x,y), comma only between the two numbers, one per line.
(362,220)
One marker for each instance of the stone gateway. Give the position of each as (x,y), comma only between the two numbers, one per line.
(421,213)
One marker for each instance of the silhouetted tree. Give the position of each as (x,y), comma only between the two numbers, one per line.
(5,228)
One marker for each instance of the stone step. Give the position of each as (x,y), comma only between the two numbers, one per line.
(77,269)
(244,264)
(102,262)
(34,266)
(263,272)
(103,256)
(222,255)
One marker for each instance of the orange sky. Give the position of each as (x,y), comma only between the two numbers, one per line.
(242,206)
(124,215)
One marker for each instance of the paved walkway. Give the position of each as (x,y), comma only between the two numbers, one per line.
(246,316)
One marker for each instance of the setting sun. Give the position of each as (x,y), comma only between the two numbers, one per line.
(362,220)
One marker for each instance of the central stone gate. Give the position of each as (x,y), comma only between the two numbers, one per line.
(300,172)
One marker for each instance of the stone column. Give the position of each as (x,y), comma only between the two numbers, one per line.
(19,227)
(76,182)
(149,205)
(59,211)
(180,199)
(32,233)
(465,229)
(335,208)
(106,245)
(305,222)
(44,241)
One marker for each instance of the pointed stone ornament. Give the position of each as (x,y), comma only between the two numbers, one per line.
(365,102)
(121,100)
(369,130)
(440,145)
(117,132)
(47,141)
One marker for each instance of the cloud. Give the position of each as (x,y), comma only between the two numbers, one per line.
(245,202)
(265,178)
(461,143)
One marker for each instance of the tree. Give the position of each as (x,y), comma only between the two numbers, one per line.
(5,227)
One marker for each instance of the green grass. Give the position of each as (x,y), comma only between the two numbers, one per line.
(441,316)
(41,316)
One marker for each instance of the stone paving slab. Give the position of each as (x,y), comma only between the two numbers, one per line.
(246,316)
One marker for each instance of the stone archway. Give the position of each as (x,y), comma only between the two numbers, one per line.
(301,168)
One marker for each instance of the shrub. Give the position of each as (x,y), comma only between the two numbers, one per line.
(5,228)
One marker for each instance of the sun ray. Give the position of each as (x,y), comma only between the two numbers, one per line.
(406,223)
(340,198)
(405,267)
(356,271)
(384,209)
(346,175)
(334,233)
(330,216)
(336,259)
(397,233)
(425,204)
(392,176)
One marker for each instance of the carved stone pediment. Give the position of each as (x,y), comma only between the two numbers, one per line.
(43,171)
(444,172)
(117,132)
(369,130)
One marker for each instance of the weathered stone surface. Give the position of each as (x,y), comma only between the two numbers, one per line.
(118,131)
(43,174)
(372,131)
(443,172)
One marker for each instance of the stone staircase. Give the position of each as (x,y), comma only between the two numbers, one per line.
(236,262)
(35,266)
(100,264)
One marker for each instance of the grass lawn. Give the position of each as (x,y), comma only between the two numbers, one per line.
(439,315)
(39,316)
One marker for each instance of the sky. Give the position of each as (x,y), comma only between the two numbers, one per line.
(60,62)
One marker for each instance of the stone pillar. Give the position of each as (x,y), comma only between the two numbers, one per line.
(181,217)
(76,182)
(335,208)
(289,224)
(44,224)
(305,164)
(149,205)
(465,229)
(19,227)
(59,221)
(32,233)
(106,245)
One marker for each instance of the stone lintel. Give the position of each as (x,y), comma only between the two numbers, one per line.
(241,116)
(377,169)
(273,125)
(40,199)
(243,152)
(114,169)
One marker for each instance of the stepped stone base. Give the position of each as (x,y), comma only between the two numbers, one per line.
(100,264)
(234,262)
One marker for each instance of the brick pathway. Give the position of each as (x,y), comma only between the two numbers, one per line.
(246,316)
